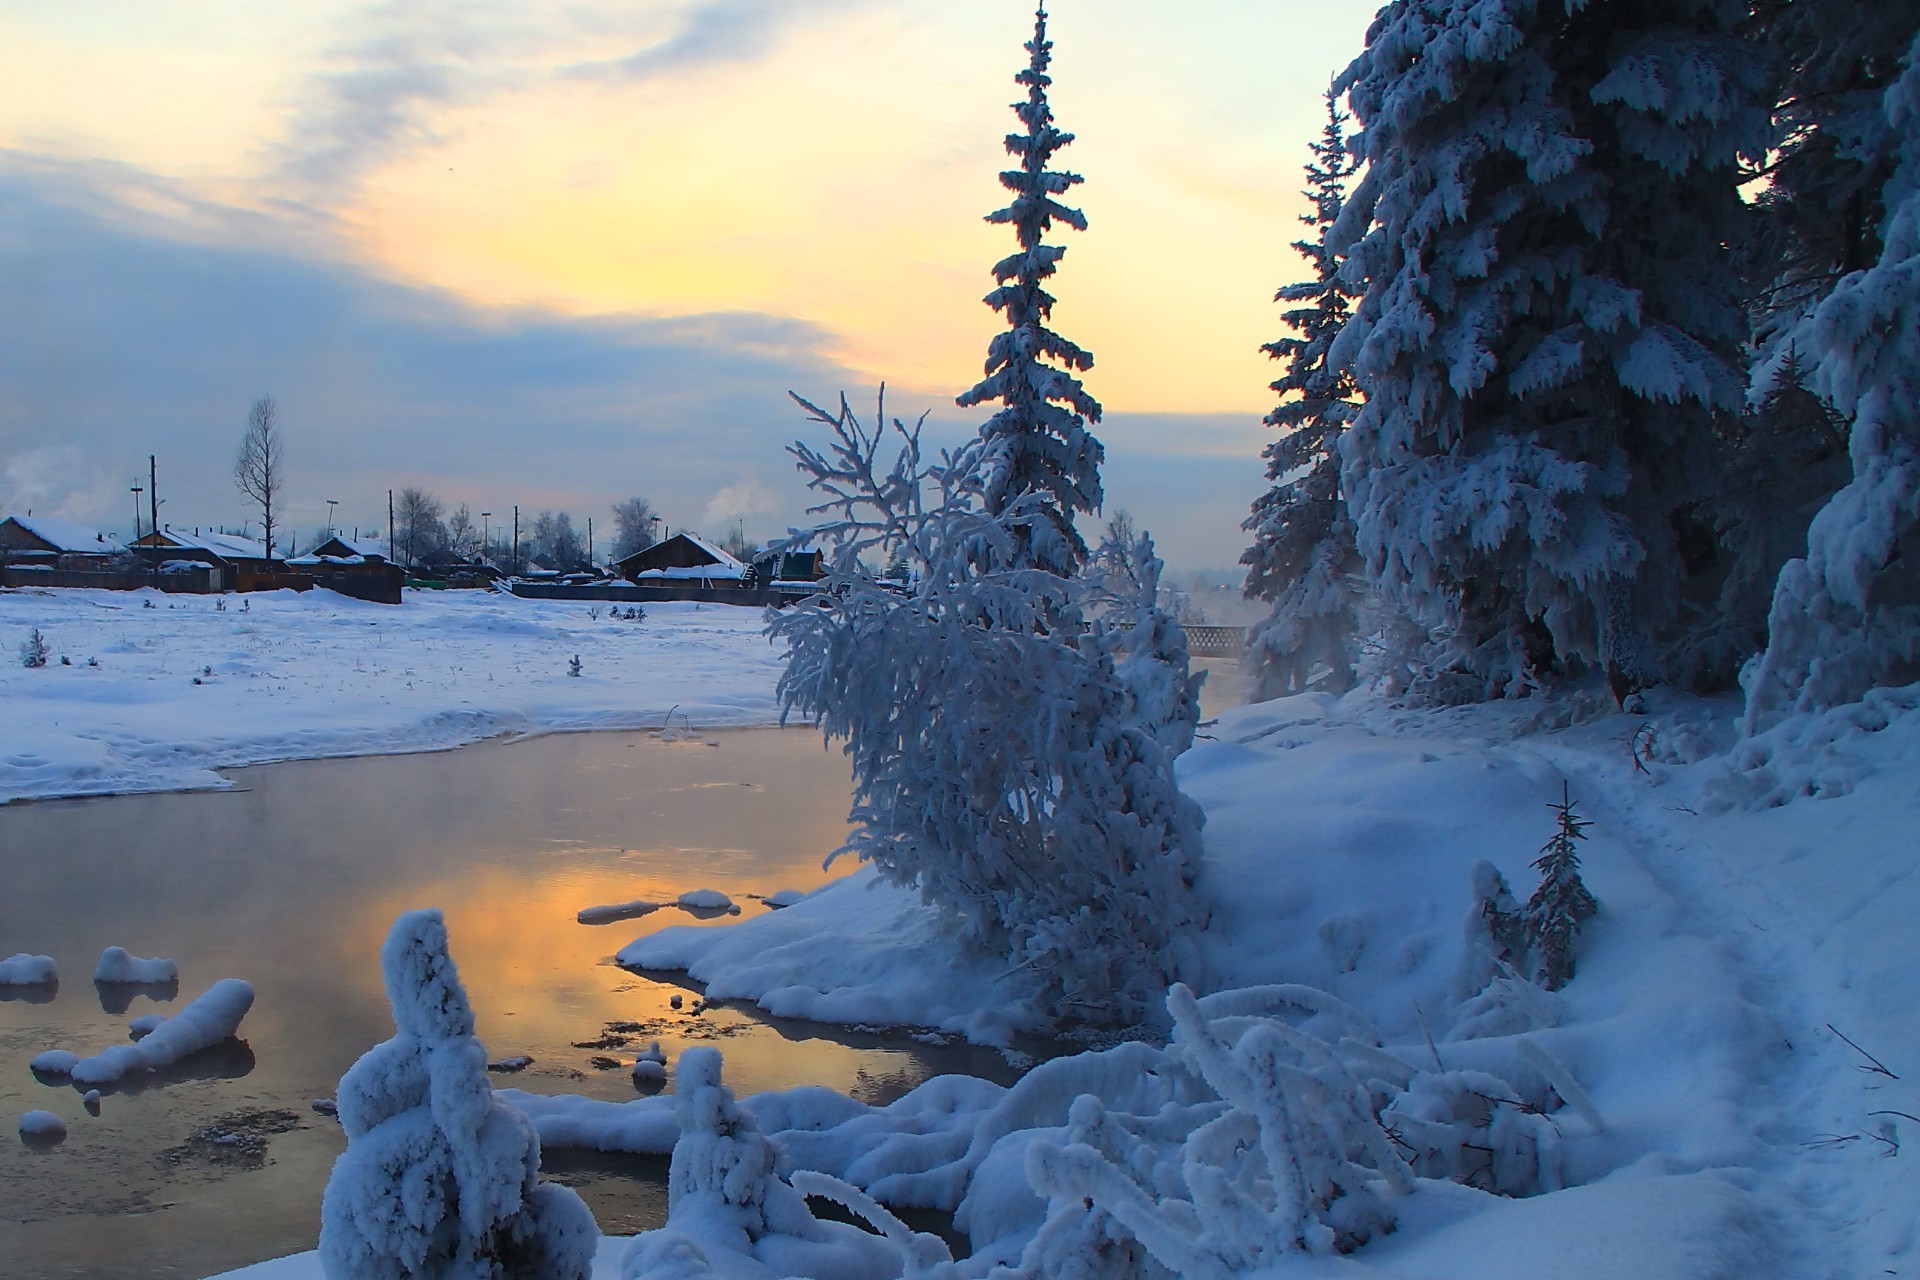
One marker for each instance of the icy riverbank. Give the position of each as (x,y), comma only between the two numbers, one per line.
(1708,1119)
(157,699)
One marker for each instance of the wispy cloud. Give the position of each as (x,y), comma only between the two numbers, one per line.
(401,70)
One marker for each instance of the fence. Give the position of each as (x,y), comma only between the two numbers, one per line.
(1216,642)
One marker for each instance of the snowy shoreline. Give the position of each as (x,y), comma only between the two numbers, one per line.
(160,698)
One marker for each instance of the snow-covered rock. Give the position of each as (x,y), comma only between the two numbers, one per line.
(23,970)
(116,965)
(215,1015)
(704,900)
(55,1062)
(42,1126)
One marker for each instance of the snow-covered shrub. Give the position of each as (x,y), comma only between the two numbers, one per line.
(1496,933)
(1543,346)
(1280,1127)
(1004,764)
(729,1213)
(439,1178)
(1847,617)
(1562,903)
(34,650)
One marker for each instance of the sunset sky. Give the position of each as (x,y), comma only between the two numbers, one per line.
(560,254)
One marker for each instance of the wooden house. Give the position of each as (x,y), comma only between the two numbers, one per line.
(48,543)
(357,568)
(684,558)
(240,564)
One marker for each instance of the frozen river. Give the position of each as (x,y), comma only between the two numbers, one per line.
(291,883)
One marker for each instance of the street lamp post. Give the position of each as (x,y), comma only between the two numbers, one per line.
(486,548)
(137,491)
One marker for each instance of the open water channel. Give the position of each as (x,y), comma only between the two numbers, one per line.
(291,882)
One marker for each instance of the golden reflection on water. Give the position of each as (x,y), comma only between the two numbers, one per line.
(292,884)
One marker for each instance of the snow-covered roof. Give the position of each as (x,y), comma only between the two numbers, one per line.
(698,572)
(221,544)
(721,558)
(68,535)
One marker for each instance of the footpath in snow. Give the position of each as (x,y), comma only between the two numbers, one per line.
(139,698)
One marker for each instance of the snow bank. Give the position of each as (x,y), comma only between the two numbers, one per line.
(303,675)
(212,1017)
(853,951)
(116,965)
(23,970)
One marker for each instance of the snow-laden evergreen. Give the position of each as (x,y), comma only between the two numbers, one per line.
(440,1180)
(1008,760)
(1303,560)
(1823,210)
(1550,320)
(1038,442)
(1847,617)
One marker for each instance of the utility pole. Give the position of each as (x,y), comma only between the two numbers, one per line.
(153,496)
(486,547)
(331,504)
(513,556)
(390,550)
(589,542)
(137,491)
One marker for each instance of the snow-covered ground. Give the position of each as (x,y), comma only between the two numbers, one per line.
(156,699)
(1756,908)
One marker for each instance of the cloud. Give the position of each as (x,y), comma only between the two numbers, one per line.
(716,31)
(401,70)
(119,339)
(745,497)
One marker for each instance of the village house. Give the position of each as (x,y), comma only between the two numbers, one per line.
(238,564)
(44,542)
(685,558)
(353,567)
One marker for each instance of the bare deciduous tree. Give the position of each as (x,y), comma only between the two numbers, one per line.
(420,529)
(633,522)
(260,468)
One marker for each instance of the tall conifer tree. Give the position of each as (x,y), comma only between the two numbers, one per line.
(1303,560)
(1038,442)
(1551,324)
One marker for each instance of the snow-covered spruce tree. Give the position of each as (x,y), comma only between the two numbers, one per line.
(1544,341)
(1121,596)
(1003,764)
(1823,210)
(1038,442)
(440,1180)
(1303,560)
(1562,903)
(1847,617)
(1779,464)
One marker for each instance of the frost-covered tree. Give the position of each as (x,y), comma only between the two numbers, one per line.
(1004,762)
(1038,442)
(1303,560)
(1823,209)
(1847,617)
(1544,342)
(440,1180)
(1779,464)
(1122,594)
(1561,904)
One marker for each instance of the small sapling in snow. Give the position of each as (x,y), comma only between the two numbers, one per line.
(1562,903)
(573,665)
(65,661)
(34,650)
